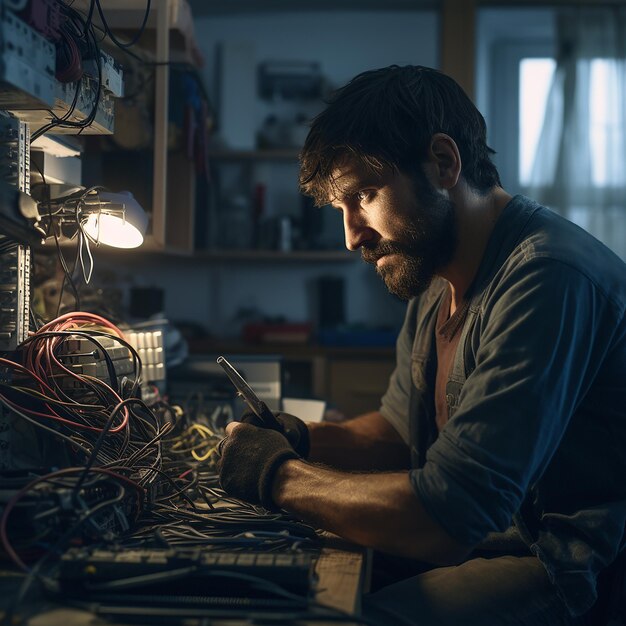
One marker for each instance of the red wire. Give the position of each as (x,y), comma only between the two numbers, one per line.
(41,362)
(55,416)
(68,319)
(58,418)
(25,370)
(74,319)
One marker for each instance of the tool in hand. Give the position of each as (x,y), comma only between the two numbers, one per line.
(260,409)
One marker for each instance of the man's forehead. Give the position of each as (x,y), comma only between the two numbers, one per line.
(350,176)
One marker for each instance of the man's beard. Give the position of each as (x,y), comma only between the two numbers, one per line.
(427,244)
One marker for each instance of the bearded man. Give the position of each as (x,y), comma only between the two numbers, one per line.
(497,454)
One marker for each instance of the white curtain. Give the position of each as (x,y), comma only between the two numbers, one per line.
(580,164)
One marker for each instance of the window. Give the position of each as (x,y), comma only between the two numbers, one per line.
(535,78)
(518,86)
(516,69)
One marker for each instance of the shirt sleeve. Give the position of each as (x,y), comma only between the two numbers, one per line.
(395,403)
(540,345)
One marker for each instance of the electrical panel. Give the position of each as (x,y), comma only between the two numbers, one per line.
(27,65)
(29,89)
(112,75)
(86,358)
(14,294)
(87,89)
(14,257)
(15,152)
(75,101)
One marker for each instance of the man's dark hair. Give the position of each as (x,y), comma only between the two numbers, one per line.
(386,118)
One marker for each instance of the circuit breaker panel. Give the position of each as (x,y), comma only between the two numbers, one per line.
(14,294)
(15,258)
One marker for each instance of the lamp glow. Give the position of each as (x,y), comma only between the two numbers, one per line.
(119,221)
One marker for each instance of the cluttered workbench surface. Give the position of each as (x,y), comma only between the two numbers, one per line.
(339,575)
(111,507)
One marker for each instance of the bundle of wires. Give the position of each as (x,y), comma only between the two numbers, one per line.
(194,510)
(199,441)
(142,476)
(52,510)
(79,38)
(199,513)
(105,425)
(60,505)
(102,422)
(78,34)
(110,434)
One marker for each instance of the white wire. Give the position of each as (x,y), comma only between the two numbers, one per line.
(83,241)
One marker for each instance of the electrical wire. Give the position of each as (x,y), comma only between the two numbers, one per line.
(86,515)
(8,509)
(158,458)
(114,39)
(83,241)
(93,49)
(67,275)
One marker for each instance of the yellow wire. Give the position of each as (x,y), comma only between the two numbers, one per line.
(205,433)
(203,429)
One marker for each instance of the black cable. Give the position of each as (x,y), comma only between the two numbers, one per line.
(61,257)
(52,431)
(68,277)
(56,121)
(99,442)
(94,48)
(68,335)
(34,573)
(92,6)
(88,336)
(138,34)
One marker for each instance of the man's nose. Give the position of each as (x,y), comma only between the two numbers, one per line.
(356,230)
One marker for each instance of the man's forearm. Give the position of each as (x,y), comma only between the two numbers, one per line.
(375,510)
(364,443)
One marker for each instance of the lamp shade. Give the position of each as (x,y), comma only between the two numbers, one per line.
(118,221)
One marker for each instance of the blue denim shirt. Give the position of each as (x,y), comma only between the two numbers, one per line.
(537,396)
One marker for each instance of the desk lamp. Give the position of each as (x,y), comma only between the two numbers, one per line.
(113,219)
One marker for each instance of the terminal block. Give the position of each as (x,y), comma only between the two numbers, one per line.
(14,293)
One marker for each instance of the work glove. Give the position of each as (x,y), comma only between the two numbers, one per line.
(293,429)
(250,459)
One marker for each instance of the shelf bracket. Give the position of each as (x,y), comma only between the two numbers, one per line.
(161,101)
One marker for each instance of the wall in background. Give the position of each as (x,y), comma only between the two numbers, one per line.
(344,43)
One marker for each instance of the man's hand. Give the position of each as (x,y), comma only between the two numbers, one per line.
(294,430)
(250,459)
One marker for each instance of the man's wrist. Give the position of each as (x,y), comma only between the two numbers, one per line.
(284,474)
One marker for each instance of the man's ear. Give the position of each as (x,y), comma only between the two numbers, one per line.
(445,158)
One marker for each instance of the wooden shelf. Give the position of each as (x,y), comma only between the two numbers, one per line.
(150,247)
(169,29)
(292,351)
(124,17)
(276,255)
(282,154)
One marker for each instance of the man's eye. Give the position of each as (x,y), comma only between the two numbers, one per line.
(363,195)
